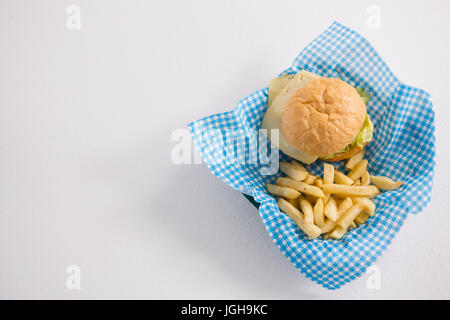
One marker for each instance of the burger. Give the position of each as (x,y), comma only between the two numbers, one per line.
(317,117)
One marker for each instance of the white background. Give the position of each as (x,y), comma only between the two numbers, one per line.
(86,118)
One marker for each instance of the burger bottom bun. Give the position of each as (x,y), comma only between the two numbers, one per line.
(353,150)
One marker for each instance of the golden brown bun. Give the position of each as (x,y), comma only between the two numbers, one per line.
(353,150)
(323,117)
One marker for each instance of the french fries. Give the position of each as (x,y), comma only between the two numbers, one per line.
(333,204)
(361,218)
(341,178)
(319,218)
(310,229)
(355,159)
(328,173)
(328,226)
(365,179)
(350,215)
(347,218)
(358,170)
(330,209)
(318,183)
(385,183)
(292,171)
(340,189)
(328,177)
(283,192)
(300,186)
(298,165)
(310,179)
(307,210)
(331,224)
(344,206)
(369,206)
(338,233)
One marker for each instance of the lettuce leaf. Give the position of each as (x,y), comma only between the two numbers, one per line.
(364,95)
(365,134)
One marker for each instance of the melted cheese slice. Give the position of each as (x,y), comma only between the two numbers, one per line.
(272,117)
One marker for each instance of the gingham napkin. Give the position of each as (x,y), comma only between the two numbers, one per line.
(403,148)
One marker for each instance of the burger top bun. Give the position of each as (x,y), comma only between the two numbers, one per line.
(323,117)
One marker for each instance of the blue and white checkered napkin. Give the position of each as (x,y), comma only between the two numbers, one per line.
(403,148)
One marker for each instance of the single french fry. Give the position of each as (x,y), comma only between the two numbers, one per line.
(358,170)
(310,179)
(300,186)
(309,229)
(284,192)
(328,226)
(292,171)
(340,178)
(319,218)
(354,160)
(357,183)
(307,210)
(369,206)
(318,183)
(298,165)
(375,194)
(346,219)
(344,206)
(357,198)
(338,233)
(328,173)
(361,191)
(365,178)
(371,196)
(362,204)
(385,183)
(291,211)
(330,210)
(328,177)
(361,218)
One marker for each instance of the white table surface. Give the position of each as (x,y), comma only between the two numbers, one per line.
(86,176)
